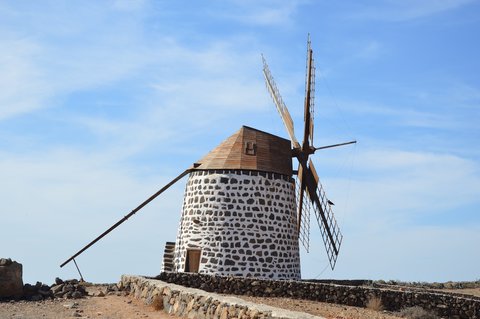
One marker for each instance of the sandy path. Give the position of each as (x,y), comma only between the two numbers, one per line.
(108,307)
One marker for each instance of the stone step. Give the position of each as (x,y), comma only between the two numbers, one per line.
(168,255)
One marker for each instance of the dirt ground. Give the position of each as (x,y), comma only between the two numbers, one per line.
(111,306)
(125,307)
(122,306)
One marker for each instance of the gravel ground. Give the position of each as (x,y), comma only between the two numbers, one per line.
(327,310)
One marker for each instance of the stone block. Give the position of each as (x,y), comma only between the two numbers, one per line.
(11,282)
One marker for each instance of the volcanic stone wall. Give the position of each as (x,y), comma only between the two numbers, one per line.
(443,304)
(243,222)
(194,303)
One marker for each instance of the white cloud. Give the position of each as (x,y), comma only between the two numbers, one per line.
(129,5)
(401,10)
(370,50)
(401,212)
(430,110)
(394,186)
(405,254)
(464,96)
(264,13)
(54,203)
(22,81)
(90,57)
(226,95)
(40,61)
(269,16)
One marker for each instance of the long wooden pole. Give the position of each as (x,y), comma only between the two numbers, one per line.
(129,215)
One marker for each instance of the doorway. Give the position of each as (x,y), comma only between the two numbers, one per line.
(192,264)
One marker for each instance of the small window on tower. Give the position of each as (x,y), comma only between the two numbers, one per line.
(250,148)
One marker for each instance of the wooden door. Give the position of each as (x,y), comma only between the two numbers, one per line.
(192,263)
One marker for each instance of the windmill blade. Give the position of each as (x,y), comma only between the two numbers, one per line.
(304,208)
(332,237)
(281,107)
(309,98)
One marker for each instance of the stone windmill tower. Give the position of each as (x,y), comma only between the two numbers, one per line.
(246,209)
(239,215)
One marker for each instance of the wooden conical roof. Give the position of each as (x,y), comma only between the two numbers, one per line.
(251,149)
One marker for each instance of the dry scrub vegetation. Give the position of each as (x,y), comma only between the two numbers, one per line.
(416,312)
(375,303)
(157,303)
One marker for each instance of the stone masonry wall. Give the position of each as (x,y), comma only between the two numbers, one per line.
(443,304)
(194,303)
(244,223)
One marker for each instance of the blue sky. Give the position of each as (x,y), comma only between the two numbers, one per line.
(103,102)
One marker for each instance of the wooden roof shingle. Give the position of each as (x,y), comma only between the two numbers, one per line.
(251,149)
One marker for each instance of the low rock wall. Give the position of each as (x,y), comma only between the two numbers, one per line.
(194,303)
(443,304)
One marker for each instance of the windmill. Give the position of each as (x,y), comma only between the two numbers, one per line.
(245,209)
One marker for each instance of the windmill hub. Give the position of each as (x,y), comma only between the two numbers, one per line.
(303,154)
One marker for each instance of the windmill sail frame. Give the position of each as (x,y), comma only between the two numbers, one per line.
(310,193)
